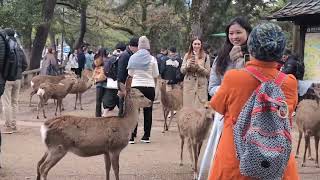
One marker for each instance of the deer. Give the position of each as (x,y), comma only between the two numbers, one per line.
(171,101)
(81,86)
(89,136)
(308,122)
(39,79)
(58,92)
(194,124)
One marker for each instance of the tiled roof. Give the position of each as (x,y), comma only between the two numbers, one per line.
(310,7)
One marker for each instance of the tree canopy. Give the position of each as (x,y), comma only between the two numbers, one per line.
(103,23)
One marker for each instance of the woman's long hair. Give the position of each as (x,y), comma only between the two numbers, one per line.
(190,51)
(223,55)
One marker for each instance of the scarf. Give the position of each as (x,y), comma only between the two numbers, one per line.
(140,60)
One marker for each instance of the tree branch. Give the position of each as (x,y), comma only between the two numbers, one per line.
(116,27)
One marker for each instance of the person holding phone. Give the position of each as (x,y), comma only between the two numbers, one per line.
(233,54)
(196,68)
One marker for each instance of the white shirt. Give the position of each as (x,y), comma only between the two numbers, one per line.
(145,78)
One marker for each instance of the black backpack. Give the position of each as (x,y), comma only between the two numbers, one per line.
(9,61)
(111,67)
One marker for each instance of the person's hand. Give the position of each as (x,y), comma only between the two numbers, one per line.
(235,53)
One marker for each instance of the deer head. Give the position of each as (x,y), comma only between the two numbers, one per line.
(136,95)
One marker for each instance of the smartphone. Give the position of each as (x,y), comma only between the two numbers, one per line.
(244,49)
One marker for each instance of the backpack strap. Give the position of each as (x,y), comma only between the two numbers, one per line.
(258,75)
(280,78)
(255,73)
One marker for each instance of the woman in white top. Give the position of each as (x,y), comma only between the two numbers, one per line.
(72,64)
(143,69)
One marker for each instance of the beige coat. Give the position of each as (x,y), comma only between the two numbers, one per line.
(195,82)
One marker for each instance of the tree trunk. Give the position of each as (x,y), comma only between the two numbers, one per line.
(27,41)
(83,25)
(42,33)
(198,17)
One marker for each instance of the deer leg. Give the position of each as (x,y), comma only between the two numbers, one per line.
(60,104)
(39,164)
(181,150)
(80,99)
(316,141)
(55,154)
(309,152)
(199,148)
(195,163)
(39,106)
(56,108)
(62,107)
(190,150)
(75,104)
(107,164)
(299,141)
(307,142)
(44,110)
(171,117)
(31,94)
(115,163)
(165,115)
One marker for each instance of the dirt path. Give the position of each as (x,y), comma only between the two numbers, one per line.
(158,160)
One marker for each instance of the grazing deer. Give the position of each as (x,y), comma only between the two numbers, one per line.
(171,101)
(86,137)
(308,121)
(194,124)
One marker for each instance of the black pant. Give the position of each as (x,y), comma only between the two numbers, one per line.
(100,91)
(149,93)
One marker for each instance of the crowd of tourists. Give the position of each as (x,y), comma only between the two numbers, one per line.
(225,81)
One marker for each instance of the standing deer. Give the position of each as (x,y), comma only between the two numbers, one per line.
(91,136)
(308,121)
(194,124)
(171,101)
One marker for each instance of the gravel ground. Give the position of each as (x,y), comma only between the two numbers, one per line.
(158,160)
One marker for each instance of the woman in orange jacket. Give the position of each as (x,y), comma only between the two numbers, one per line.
(266,45)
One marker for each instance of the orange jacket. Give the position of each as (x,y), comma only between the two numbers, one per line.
(236,88)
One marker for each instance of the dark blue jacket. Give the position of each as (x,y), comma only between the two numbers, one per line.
(123,64)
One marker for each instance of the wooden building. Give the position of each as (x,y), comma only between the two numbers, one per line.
(305,14)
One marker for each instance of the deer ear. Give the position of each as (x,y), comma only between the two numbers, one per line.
(128,83)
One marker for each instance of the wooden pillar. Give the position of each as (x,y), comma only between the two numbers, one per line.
(295,39)
(303,30)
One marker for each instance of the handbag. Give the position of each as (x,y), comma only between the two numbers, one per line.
(98,74)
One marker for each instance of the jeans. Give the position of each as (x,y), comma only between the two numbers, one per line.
(9,101)
(148,92)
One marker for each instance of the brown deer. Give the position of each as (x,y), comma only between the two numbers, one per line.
(308,122)
(57,92)
(39,79)
(194,124)
(171,101)
(86,137)
(81,86)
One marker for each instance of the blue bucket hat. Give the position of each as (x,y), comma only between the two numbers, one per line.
(267,42)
